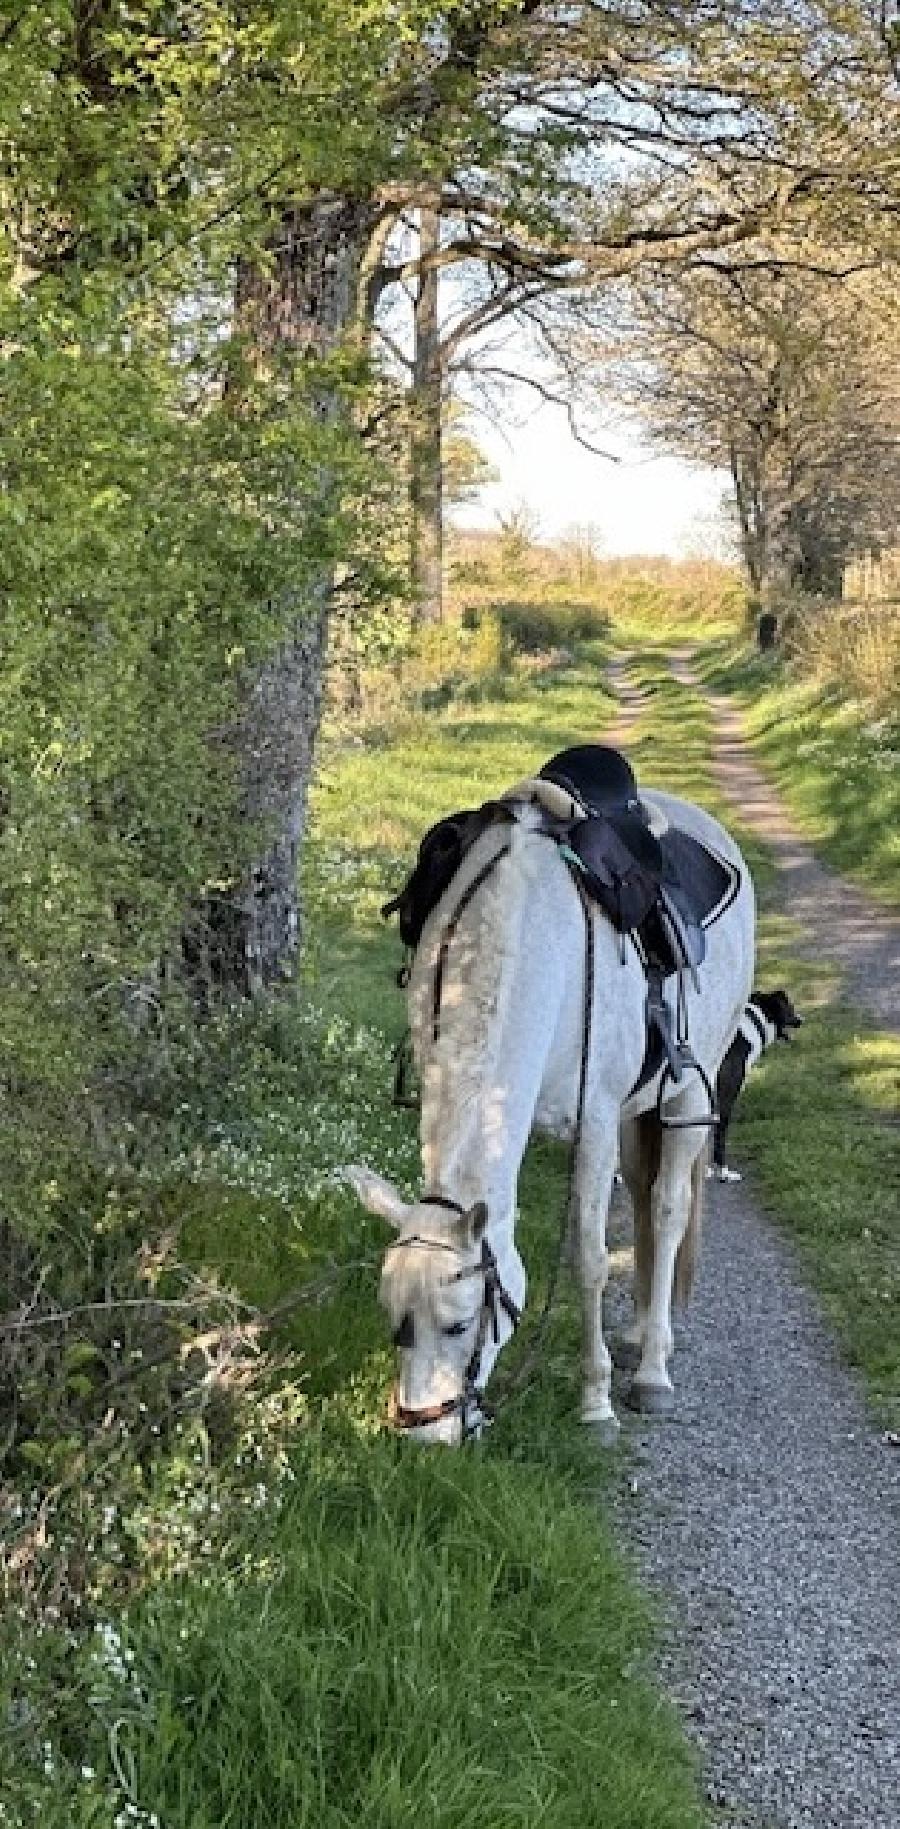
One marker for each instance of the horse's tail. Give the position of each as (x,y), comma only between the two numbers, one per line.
(688,1257)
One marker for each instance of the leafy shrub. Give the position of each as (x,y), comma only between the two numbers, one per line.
(533,627)
(426,665)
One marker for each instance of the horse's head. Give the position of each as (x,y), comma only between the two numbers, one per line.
(449,1306)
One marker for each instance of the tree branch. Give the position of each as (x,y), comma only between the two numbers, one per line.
(519,378)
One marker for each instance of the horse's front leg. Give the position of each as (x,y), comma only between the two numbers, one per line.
(674,1205)
(598,1149)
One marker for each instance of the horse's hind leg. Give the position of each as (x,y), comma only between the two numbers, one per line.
(593,1187)
(640,1153)
(674,1204)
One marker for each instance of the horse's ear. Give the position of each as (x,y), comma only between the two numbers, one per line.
(472,1225)
(377,1195)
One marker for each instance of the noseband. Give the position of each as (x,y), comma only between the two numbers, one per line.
(493,1296)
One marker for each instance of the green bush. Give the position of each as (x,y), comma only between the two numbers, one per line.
(533,626)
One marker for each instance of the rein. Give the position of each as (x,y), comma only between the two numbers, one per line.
(467,895)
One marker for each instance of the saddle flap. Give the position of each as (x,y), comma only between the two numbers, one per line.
(700,881)
(625,885)
(684,935)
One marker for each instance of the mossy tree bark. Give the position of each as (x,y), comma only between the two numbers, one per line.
(304,300)
(426,480)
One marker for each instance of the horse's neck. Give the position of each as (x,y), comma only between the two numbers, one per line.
(473,1123)
(458,1163)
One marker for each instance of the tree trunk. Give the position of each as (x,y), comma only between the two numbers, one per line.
(752,518)
(426,482)
(304,300)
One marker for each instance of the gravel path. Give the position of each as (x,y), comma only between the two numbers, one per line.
(766,1513)
(767,1516)
(838,921)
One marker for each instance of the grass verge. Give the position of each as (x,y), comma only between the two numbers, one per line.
(413,1641)
(818,1128)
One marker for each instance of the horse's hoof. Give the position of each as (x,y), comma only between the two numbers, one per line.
(604,1429)
(626,1353)
(651,1399)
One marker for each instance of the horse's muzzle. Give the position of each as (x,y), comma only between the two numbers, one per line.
(450,1423)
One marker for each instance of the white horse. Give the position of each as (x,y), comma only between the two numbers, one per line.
(507,1059)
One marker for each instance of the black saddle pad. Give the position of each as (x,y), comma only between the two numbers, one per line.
(695,886)
(702,884)
(440,854)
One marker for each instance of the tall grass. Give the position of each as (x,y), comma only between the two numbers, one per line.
(417,1641)
(853,646)
(684,598)
(823,716)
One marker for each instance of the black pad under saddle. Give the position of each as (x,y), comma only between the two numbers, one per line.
(440,855)
(696,886)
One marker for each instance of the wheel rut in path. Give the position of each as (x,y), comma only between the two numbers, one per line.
(632,703)
(838,921)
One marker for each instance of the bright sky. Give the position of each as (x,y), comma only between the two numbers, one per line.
(643,504)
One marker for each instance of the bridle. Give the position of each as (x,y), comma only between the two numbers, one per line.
(469,1403)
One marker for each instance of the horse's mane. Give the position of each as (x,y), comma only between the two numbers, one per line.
(459,1069)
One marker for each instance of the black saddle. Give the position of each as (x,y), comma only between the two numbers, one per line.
(661,892)
(598,776)
(664,889)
